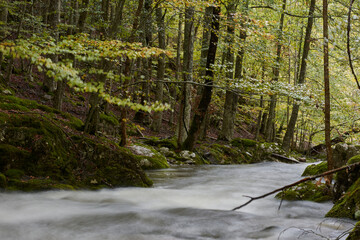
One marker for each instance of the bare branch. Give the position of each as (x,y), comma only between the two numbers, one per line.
(348,44)
(298,182)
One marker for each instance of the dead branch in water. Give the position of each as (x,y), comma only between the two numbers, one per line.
(298,182)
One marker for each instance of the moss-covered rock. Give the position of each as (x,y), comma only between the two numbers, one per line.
(50,154)
(170,143)
(242,142)
(149,157)
(14,173)
(315,169)
(308,191)
(222,154)
(355,233)
(348,204)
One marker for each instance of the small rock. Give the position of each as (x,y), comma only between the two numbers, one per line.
(190,162)
(140,150)
(187,154)
(145,163)
(167,152)
(357,215)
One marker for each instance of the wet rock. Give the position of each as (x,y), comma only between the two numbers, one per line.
(140,150)
(187,154)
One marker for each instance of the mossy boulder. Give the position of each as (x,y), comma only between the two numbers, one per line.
(242,142)
(308,191)
(14,173)
(348,204)
(222,154)
(342,152)
(46,147)
(170,143)
(315,169)
(149,157)
(355,233)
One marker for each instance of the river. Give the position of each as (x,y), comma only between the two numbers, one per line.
(185,203)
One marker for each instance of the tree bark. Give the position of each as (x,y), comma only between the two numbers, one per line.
(174,87)
(157,118)
(327,90)
(231,98)
(295,110)
(127,73)
(118,17)
(207,92)
(276,74)
(185,106)
(147,30)
(83,16)
(54,20)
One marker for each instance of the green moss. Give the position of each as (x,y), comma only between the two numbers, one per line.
(355,233)
(14,173)
(353,160)
(11,156)
(111,119)
(242,142)
(348,204)
(308,191)
(222,154)
(170,143)
(156,161)
(315,169)
(3,181)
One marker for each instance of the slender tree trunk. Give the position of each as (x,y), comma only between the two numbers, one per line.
(295,110)
(83,16)
(185,106)
(178,70)
(203,58)
(276,74)
(118,17)
(147,29)
(3,18)
(54,20)
(207,92)
(127,73)
(231,98)
(327,90)
(157,118)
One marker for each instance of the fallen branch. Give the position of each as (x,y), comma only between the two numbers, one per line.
(298,182)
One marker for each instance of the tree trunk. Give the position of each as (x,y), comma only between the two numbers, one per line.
(185,106)
(54,12)
(127,73)
(327,91)
(276,74)
(295,110)
(147,29)
(3,18)
(231,98)
(207,92)
(178,70)
(157,118)
(83,16)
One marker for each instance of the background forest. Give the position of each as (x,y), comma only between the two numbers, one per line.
(147,61)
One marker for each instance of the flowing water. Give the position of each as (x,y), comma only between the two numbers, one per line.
(185,203)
